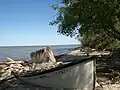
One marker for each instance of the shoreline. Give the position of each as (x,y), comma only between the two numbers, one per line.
(107,75)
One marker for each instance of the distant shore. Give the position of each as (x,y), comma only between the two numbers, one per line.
(40,45)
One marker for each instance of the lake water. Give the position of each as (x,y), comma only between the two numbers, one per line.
(23,52)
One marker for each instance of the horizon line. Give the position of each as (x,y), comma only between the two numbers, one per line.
(38,45)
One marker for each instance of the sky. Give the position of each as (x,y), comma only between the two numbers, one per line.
(26,22)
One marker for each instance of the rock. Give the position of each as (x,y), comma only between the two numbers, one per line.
(111,87)
(44,55)
(6,74)
(98,86)
(9,59)
(3,68)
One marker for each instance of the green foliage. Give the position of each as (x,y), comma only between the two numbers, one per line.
(83,17)
(98,40)
(114,45)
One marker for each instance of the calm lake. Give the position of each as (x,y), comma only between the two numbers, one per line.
(23,52)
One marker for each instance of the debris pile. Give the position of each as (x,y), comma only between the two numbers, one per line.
(41,60)
(8,66)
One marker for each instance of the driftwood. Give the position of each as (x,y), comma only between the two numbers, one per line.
(42,60)
(9,65)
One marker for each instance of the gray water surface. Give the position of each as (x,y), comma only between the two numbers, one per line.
(24,51)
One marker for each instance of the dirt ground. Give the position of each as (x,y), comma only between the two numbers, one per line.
(108,72)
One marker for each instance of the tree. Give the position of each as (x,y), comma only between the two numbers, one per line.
(98,40)
(83,16)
